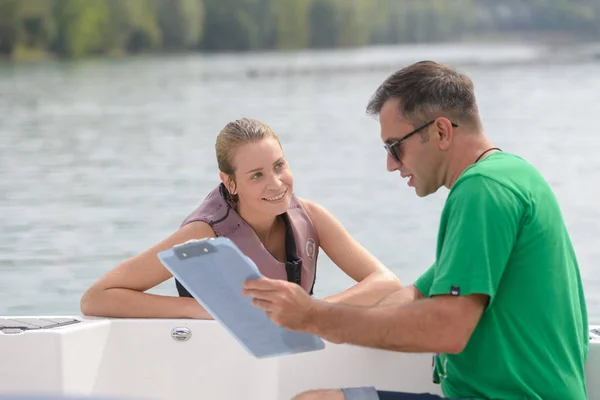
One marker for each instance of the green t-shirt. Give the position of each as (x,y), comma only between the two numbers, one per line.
(502,234)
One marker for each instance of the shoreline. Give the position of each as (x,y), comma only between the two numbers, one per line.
(550,39)
(490,51)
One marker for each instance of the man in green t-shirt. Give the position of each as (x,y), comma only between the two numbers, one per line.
(502,306)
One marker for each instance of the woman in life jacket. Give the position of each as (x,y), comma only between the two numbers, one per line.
(255,207)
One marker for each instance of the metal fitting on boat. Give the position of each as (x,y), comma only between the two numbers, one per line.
(181,333)
(11,331)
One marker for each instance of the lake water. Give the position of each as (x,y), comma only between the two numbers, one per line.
(100,159)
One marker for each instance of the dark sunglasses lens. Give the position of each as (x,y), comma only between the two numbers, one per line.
(396,152)
(393,151)
(389,151)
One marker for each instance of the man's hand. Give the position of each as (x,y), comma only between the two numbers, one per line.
(285,303)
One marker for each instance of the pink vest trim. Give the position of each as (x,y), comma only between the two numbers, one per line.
(226,222)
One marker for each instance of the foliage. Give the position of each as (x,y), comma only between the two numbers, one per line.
(75,28)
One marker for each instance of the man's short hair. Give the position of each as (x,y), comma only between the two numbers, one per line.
(427,90)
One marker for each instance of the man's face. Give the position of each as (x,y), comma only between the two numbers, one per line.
(419,160)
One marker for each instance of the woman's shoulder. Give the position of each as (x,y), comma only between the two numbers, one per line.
(308,205)
(196,230)
(315,211)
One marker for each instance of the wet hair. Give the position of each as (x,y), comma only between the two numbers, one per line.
(231,137)
(427,90)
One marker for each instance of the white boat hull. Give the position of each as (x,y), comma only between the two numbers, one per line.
(139,358)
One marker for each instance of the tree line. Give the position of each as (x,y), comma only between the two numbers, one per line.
(75,28)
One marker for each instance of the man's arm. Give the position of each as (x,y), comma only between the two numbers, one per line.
(480,225)
(441,324)
(404,295)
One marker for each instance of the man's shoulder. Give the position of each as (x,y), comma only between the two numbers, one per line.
(500,184)
(501,172)
(499,166)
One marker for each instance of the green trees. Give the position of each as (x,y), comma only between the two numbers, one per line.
(75,28)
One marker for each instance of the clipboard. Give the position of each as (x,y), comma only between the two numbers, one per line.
(213,271)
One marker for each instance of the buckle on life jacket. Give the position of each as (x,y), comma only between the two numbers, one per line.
(293,270)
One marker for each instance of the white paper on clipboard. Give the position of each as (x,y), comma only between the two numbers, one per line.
(214,271)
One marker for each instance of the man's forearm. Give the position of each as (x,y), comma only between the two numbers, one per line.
(421,326)
(367,292)
(402,296)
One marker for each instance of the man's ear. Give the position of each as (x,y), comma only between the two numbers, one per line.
(444,132)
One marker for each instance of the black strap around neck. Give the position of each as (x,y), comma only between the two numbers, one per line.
(487,151)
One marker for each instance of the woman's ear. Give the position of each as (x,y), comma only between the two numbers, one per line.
(228,182)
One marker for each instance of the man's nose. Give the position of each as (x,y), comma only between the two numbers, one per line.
(391,164)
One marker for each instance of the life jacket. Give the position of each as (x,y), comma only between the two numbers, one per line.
(301,240)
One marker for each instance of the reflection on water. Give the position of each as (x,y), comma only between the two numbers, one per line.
(101,159)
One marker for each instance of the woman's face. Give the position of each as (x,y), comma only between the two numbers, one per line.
(264,181)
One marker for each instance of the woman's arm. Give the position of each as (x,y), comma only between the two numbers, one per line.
(375,281)
(120,293)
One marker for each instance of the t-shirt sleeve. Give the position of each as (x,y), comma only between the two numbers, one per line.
(423,282)
(477,237)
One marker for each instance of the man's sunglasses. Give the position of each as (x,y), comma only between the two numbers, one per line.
(393,148)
